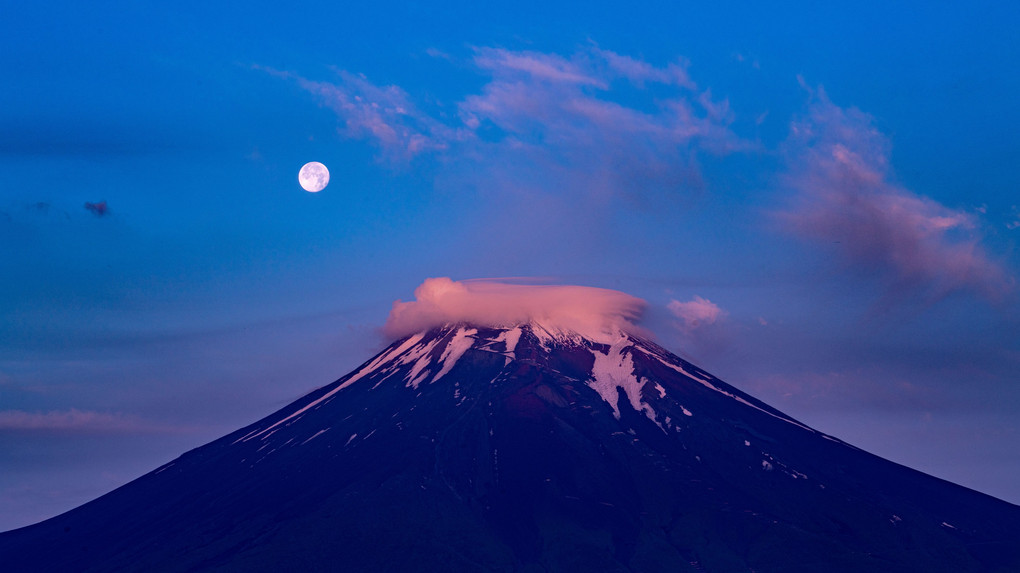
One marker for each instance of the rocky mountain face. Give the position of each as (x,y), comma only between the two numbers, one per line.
(467,448)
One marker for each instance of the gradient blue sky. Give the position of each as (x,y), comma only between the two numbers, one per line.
(819,203)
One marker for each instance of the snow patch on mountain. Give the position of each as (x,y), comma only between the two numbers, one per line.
(421,355)
(513,336)
(462,341)
(614,371)
(316,435)
(509,338)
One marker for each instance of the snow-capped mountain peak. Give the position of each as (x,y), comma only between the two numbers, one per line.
(527,446)
(620,368)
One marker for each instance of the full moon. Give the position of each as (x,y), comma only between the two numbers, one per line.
(313,177)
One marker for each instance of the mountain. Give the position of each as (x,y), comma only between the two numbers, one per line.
(469,448)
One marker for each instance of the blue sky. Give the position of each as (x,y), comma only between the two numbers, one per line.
(819,204)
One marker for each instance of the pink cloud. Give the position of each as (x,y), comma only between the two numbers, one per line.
(696,313)
(846,196)
(543,67)
(595,312)
(639,72)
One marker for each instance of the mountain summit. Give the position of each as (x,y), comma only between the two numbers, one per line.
(527,448)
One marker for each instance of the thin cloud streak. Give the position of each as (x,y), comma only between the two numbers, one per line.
(541,67)
(639,72)
(86,421)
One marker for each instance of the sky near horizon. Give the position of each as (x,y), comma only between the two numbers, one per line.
(818,204)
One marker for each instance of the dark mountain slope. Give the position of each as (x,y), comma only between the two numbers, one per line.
(481,449)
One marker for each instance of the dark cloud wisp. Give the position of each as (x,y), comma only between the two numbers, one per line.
(99,208)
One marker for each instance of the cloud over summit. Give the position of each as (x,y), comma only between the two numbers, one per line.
(587,310)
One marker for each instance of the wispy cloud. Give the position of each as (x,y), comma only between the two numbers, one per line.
(550,123)
(384,114)
(637,71)
(574,131)
(839,166)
